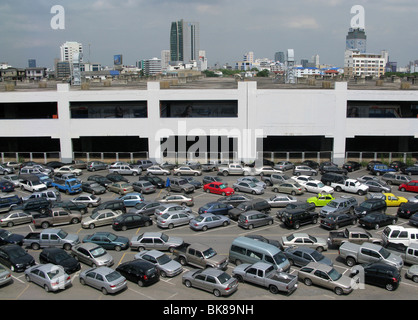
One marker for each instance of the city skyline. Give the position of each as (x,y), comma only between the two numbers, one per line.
(140,29)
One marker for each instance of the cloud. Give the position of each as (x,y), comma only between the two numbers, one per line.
(301,23)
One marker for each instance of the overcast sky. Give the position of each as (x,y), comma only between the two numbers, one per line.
(140,29)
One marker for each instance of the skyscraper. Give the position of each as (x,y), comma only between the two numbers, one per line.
(356,40)
(184,41)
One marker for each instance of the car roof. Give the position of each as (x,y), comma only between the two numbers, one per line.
(212,271)
(152,234)
(319,266)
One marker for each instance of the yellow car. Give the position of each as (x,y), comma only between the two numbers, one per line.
(394,201)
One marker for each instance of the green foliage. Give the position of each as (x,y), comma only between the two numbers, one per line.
(263,73)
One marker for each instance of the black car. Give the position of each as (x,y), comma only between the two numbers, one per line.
(60,257)
(380,274)
(103,181)
(351,166)
(8,202)
(6,186)
(37,204)
(410,170)
(209,179)
(294,218)
(413,221)
(116,177)
(146,208)
(337,220)
(375,220)
(142,272)
(310,163)
(7,237)
(115,205)
(131,220)
(406,210)
(333,169)
(156,181)
(81,207)
(93,187)
(297,205)
(333,177)
(15,258)
(397,165)
(370,205)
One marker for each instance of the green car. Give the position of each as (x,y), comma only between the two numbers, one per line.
(108,240)
(321,199)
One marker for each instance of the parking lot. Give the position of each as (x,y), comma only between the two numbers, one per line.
(220,239)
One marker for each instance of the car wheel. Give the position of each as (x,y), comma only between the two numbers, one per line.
(270,222)
(376,226)
(188,284)
(293,193)
(74,220)
(225,223)
(46,288)
(403,189)
(35,246)
(275,190)
(389,287)
(140,283)
(45,225)
(350,262)
(204,228)
(307,281)
(297,225)
(82,281)
(238,262)
(92,226)
(216,293)
(239,278)
(225,173)
(124,228)
(67,247)
(273,289)
(415,279)
(250,227)
(104,291)
(338,291)
(163,274)
(291,262)
(141,248)
(320,249)
(118,248)
(10,224)
(27,278)
(183,261)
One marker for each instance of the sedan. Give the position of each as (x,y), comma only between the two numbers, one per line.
(13,178)
(68,169)
(208,220)
(171,220)
(120,188)
(90,200)
(179,199)
(197,184)
(142,272)
(131,220)
(280,200)
(265,171)
(144,186)
(305,240)
(375,220)
(215,208)
(49,276)
(146,208)
(108,241)
(7,237)
(338,220)
(103,181)
(292,188)
(103,278)
(235,199)
(378,274)
(170,208)
(252,219)
(59,257)
(212,280)
(317,186)
(100,218)
(92,187)
(6,186)
(156,170)
(187,171)
(249,187)
(259,183)
(15,258)
(165,265)
(155,240)
(351,166)
(5,276)
(218,188)
(377,186)
(325,276)
(131,199)
(92,255)
(301,256)
(284,165)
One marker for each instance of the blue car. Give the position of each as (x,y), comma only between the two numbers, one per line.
(6,186)
(108,241)
(131,199)
(379,169)
(217,208)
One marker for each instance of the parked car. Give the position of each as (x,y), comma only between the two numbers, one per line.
(7,237)
(116,177)
(166,266)
(370,205)
(6,186)
(218,188)
(380,169)
(96,165)
(15,258)
(146,208)
(171,220)
(406,210)
(142,272)
(68,169)
(338,220)
(144,164)
(92,255)
(284,165)
(377,186)
(156,170)
(13,178)
(292,188)
(209,179)
(280,200)
(69,205)
(294,218)
(155,240)
(144,186)
(104,279)
(310,163)
(215,208)
(395,178)
(321,199)
(254,180)
(301,256)
(100,218)
(412,273)
(378,274)
(131,199)
(375,220)
(187,171)
(156,181)
(197,184)
(212,280)
(342,204)
(304,170)
(398,165)
(103,181)
(252,219)
(177,199)
(411,186)
(15,217)
(317,186)
(170,208)
(92,187)
(410,170)
(351,166)
(49,276)
(5,276)
(59,257)
(325,276)
(249,187)
(107,240)
(235,199)
(90,200)
(131,220)
(265,171)
(371,164)
(205,221)
(120,188)
(305,240)
(124,169)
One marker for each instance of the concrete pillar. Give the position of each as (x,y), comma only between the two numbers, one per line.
(340,122)
(64,122)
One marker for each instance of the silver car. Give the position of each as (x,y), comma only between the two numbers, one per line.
(166,266)
(325,276)
(170,208)
(144,186)
(100,218)
(301,256)
(212,280)
(249,187)
(49,276)
(155,240)
(280,200)
(171,220)
(15,217)
(305,240)
(304,170)
(208,220)
(254,180)
(187,171)
(5,275)
(92,254)
(156,170)
(90,200)
(103,278)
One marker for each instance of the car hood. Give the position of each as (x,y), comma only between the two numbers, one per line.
(175,241)
(14,238)
(241,268)
(25,259)
(344,281)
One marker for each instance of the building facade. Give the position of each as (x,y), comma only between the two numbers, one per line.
(357,64)
(356,39)
(184,41)
(69,48)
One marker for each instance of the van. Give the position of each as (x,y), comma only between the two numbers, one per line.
(247,250)
(115,205)
(49,195)
(399,234)
(255,204)
(330,179)
(8,202)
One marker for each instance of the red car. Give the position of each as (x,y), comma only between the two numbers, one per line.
(410,186)
(218,188)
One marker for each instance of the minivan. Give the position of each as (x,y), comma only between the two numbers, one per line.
(255,204)
(399,234)
(329,178)
(253,218)
(9,201)
(246,250)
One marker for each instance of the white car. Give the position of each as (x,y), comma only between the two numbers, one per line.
(265,171)
(303,179)
(68,169)
(185,170)
(317,186)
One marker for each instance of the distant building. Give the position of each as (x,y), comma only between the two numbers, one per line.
(62,69)
(69,48)
(184,42)
(35,73)
(152,66)
(356,39)
(357,64)
(279,56)
(32,63)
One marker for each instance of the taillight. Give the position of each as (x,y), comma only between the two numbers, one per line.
(394,280)
(145,277)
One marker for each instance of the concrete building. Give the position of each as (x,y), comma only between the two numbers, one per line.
(238,118)
(69,48)
(184,41)
(357,64)
(152,66)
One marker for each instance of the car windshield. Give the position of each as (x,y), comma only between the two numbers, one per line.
(163,259)
(62,234)
(334,274)
(223,277)
(97,252)
(290,237)
(165,216)
(222,186)
(61,256)
(279,258)
(164,237)
(199,218)
(385,253)
(321,185)
(332,204)
(313,238)
(316,255)
(209,253)
(19,252)
(366,205)
(112,237)
(113,276)
(252,185)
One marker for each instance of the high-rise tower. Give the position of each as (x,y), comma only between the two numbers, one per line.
(356,40)
(184,41)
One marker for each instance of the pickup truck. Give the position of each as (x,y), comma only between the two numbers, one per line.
(353,253)
(351,185)
(199,255)
(69,186)
(31,185)
(210,166)
(234,169)
(50,238)
(353,235)
(56,216)
(264,274)
(409,254)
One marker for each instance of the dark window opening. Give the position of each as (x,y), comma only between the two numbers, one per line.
(199,109)
(31,110)
(382,109)
(109,109)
